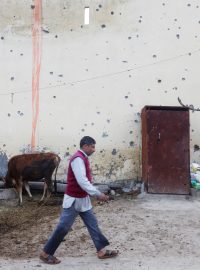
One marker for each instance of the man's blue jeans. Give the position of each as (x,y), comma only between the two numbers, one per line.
(67,219)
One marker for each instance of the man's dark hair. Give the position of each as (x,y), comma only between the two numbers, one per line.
(87,140)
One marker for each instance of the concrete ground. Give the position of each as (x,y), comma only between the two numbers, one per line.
(152,232)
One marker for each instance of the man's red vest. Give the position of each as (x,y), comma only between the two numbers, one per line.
(73,189)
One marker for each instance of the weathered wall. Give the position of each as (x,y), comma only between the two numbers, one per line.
(61,79)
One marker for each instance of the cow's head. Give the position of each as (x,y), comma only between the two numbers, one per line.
(8,183)
(3,179)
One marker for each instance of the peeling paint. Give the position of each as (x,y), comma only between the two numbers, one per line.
(112,167)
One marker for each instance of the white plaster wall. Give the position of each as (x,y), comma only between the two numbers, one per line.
(96,78)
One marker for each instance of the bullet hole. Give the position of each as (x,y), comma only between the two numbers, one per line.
(85,125)
(9,114)
(129,37)
(60,75)
(196,148)
(165,91)
(178,36)
(197,6)
(62,128)
(189,5)
(140,21)
(168,29)
(183,79)
(114,152)
(100,6)
(103,26)
(11,50)
(131,132)
(32,6)
(104,134)
(136,121)
(97,9)
(163,4)
(74,145)
(4,145)
(82,129)
(137,36)
(81,26)
(154,56)
(67,148)
(112,13)
(120,13)
(107,58)
(92,124)
(108,120)
(86,69)
(20,113)
(124,61)
(148,89)
(45,31)
(67,154)
(51,72)
(56,36)
(131,105)
(71,30)
(189,54)
(175,20)
(98,112)
(12,78)
(175,88)
(2,38)
(131,143)
(126,97)
(159,81)
(21,54)
(129,76)
(192,130)
(54,96)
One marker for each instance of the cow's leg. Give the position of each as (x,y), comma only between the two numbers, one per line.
(44,191)
(26,185)
(49,187)
(19,190)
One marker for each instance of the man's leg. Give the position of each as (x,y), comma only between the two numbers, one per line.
(66,220)
(90,221)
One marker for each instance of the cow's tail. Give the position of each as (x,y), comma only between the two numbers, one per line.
(55,182)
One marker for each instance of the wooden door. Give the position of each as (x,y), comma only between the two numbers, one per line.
(167,150)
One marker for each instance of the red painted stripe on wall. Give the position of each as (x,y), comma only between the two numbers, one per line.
(36,65)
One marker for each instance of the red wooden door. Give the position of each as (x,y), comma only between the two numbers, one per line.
(167,154)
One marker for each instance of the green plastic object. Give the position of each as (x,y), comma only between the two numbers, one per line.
(197,186)
(193,183)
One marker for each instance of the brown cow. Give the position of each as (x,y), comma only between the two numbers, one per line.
(32,167)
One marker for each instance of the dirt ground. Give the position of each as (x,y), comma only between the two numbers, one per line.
(149,230)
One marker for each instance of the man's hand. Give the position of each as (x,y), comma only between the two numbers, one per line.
(103,197)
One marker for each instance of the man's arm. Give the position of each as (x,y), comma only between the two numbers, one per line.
(79,171)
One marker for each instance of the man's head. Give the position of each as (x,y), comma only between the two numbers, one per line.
(87,144)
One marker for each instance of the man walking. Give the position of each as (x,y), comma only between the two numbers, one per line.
(77,202)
